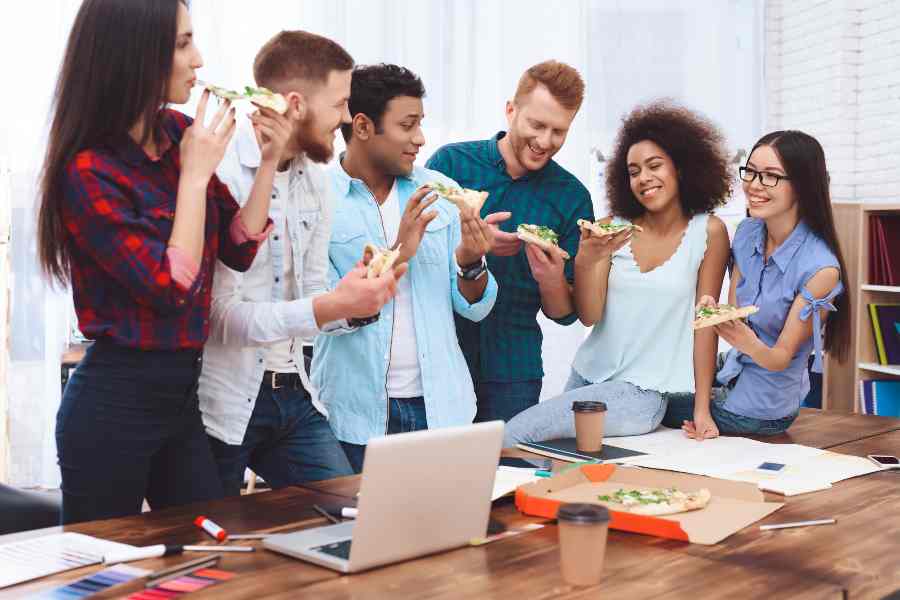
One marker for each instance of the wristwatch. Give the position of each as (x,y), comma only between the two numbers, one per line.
(473,271)
(362,322)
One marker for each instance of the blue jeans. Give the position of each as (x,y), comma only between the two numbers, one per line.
(406,414)
(287,442)
(630,411)
(504,400)
(129,428)
(681,408)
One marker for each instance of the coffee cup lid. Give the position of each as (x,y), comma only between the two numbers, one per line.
(582,513)
(588,406)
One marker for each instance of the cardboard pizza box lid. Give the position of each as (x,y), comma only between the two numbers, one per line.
(734,504)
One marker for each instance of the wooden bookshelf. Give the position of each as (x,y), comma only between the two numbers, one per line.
(841,379)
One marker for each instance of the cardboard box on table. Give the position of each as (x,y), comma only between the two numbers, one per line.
(734,505)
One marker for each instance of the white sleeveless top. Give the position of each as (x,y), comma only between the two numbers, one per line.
(645,336)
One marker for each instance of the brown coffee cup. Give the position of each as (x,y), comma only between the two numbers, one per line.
(590,417)
(583,529)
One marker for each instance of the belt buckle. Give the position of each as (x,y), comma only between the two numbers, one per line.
(275,385)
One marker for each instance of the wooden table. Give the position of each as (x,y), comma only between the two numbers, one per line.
(826,429)
(857,558)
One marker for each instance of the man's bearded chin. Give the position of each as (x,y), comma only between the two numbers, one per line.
(315,150)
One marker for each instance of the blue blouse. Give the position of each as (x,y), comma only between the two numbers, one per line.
(773,286)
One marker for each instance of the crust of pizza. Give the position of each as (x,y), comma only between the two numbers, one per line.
(531,238)
(379,261)
(595,227)
(260,97)
(739,313)
(276,102)
(461,197)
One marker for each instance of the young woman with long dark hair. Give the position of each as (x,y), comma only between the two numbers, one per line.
(787,261)
(134,219)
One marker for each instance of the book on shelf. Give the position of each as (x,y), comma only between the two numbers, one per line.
(885,320)
(884,249)
(879,397)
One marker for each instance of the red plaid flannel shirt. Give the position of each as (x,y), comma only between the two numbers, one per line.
(119,208)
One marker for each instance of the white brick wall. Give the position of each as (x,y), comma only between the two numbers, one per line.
(833,70)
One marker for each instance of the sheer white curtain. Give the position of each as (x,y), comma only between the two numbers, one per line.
(469,53)
(32,40)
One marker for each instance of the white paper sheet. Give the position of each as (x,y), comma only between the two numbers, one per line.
(37,557)
(509,478)
(806,469)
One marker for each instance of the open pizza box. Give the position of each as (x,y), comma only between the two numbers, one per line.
(733,506)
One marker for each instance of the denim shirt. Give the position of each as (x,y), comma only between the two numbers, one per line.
(773,286)
(350,371)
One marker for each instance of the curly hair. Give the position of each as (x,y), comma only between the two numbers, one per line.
(693,142)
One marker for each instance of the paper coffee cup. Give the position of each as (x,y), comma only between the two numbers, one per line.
(590,417)
(583,529)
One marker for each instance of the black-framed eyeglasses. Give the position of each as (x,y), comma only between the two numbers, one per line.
(767,179)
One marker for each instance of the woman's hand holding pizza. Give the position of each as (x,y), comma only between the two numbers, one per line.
(203,146)
(739,335)
(706,302)
(593,248)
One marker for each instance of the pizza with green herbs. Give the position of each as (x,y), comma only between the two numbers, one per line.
(707,316)
(655,502)
(541,236)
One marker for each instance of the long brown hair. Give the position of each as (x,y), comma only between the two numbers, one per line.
(804,161)
(114,74)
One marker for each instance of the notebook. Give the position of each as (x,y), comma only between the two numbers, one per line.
(565,449)
(37,557)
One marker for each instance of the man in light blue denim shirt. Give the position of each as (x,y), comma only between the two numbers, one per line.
(404,371)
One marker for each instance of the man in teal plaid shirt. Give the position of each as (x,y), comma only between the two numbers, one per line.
(503,351)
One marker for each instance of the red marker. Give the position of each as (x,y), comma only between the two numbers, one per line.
(211,528)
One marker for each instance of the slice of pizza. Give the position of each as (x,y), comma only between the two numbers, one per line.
(461,197)
(541,236)
(266,98)
(258,96)
(707,316)
(602,229)
(379,260)
(656,502)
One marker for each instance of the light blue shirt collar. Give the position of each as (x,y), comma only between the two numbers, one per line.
(784,253)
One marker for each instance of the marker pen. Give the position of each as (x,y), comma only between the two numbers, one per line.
(211,528)
(166,550)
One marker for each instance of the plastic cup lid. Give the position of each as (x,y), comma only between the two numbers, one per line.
(582,513)
(588,406)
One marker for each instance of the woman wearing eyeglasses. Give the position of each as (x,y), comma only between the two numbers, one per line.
(668,172)
(786,261)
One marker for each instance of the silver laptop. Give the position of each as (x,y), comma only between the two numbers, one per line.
(421,492)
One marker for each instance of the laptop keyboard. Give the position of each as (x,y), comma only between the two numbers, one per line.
(337,549)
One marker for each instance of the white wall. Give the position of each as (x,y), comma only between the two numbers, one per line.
(833,70)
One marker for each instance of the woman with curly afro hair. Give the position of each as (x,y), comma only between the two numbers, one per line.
(639,287)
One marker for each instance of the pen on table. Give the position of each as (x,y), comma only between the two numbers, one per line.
(158,550)
(155,578)
(798,524)
(325,513)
